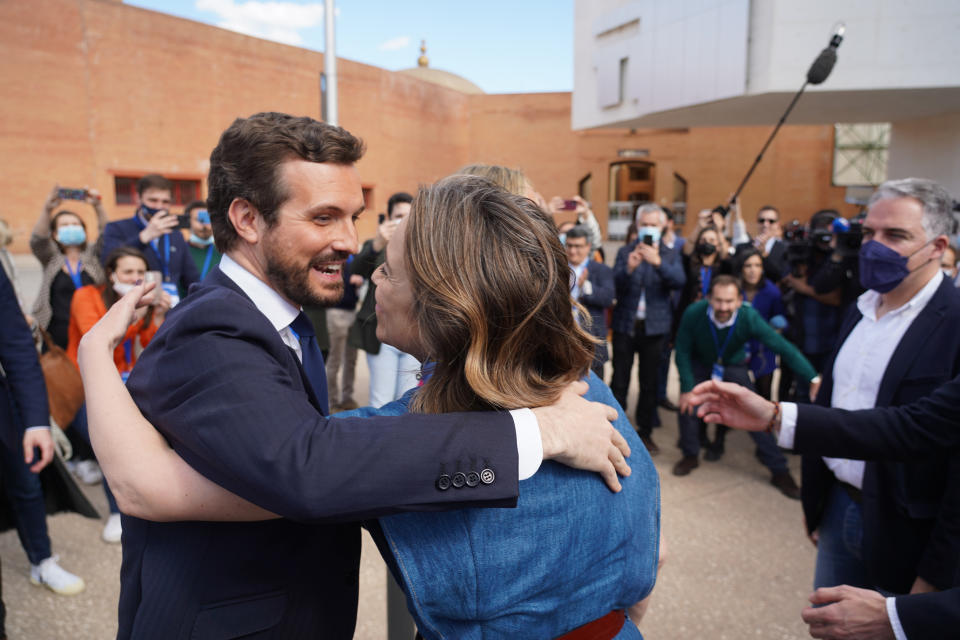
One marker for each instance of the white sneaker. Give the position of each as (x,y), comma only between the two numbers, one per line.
(88,471)
(54,577)
(113,530)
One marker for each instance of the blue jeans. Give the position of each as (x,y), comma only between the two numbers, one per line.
(80,424)
(767,450)
(392,373)
(26,498)
(839,557)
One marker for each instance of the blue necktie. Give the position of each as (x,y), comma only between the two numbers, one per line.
(312,359)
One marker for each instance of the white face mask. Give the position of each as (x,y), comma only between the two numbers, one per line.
(122,288)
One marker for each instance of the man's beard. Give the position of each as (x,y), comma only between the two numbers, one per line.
(293,281)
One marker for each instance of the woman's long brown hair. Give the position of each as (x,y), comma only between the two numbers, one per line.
(492,303)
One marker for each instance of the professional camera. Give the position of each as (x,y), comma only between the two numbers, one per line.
(849,237)
(796,237)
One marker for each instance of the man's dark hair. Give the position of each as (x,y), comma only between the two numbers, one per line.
(823,218)
(395,199)
(153,181)
(768,207)
(724,280)
(579,231)
(196,204)
(246,164)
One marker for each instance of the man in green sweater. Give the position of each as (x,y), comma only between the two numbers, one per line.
(709,344)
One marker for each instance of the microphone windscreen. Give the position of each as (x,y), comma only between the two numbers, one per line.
(822,66)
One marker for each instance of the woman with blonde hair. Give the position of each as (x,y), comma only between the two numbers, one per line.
(478,289)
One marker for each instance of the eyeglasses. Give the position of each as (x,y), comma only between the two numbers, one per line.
(766,221)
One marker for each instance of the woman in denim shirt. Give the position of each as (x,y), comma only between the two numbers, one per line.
(479,288)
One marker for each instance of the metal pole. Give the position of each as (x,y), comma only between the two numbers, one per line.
(330,65)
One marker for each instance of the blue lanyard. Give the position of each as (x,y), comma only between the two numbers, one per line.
(128,352)
(705,274)
(206,262)
(165,258)
(76,276)
(716,339)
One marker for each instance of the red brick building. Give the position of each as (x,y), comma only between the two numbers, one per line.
(97,93)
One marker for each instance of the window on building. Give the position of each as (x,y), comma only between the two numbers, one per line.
(860,154)
(184,191)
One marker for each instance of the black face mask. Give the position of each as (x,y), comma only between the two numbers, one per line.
(706,249)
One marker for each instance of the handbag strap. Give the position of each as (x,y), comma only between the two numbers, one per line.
(47,340)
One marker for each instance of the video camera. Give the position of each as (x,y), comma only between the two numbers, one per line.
(801,241)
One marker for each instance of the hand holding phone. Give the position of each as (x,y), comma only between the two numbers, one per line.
(72,194)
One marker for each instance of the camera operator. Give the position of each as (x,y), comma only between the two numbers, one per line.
(843,269)
(816,313)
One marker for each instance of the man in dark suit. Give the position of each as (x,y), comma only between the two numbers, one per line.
(24,430)
(235,382)
(645,273)
(898,345)
(769,243)
(153,231)
(593,288)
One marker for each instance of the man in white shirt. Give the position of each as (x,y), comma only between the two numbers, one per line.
(900,347)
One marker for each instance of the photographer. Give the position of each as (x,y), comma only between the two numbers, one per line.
(150,231)
(69,260)
(843,269)
(124,268)
(815,313)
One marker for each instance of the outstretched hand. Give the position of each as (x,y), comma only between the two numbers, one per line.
(731,404)
(580,434)
(112,327)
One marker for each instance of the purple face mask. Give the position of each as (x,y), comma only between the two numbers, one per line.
(882,268)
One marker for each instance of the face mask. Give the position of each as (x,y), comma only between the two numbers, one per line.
(122,288)
(195,239)
(706,249)
(563,238)
(948,272)
(149,212)
(882,268)
(71,235)
(653,232)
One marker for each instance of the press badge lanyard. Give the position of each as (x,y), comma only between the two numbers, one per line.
(206,262)
(704,281)
(76,276)
(717,373)
(128,356)
(165,258)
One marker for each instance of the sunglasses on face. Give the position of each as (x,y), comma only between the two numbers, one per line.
(766,220)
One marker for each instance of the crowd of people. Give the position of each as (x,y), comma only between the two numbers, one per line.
(217,344)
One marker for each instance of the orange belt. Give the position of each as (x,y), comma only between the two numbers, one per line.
(603,628)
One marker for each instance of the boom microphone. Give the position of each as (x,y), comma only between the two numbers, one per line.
(823,65)
(818,72)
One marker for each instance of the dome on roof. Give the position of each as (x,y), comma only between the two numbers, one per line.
(437,76)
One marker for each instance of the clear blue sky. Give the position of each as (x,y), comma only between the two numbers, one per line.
(504,46)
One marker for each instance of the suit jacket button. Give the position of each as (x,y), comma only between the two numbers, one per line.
(473,479)
(459,479)
(443,482)
(487,476)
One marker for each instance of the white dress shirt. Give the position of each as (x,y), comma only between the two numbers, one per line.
(281,314)
(860,367)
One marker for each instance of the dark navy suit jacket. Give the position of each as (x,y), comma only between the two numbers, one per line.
(126,233)
(911,510)
(600,277)
(23,393)
(657,282)
(232,399)
(930,616)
